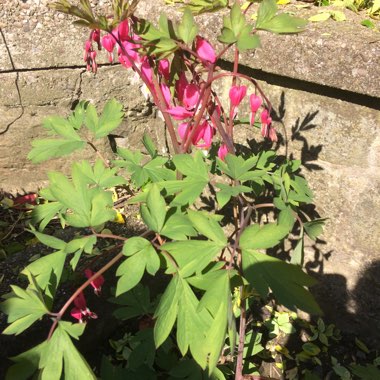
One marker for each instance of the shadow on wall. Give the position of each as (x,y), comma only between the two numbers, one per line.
(355,311)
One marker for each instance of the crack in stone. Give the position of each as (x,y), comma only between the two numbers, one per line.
(21,105)
(75,99)
(47,68)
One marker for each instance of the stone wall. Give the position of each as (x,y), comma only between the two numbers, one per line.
(324,85)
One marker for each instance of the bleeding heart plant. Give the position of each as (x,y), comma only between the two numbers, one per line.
(215,261)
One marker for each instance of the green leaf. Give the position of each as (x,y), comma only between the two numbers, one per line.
(142,255)
(297,255)
(286,281)
(267,10)
(191,166)
(284,23)
(188,189)
(26,364)
(91,119)
(135,302)
(154,212)
(338,16)
(77,246)
(314,228)
(23,309)
(227,192)
(187,29)
(208,227)
(47,271)
(269,235)
(149,145)
(191,256)
(227,36)
(46,212)
(246,40)
(367,372)
(311,349)
(179,301)
(368,24)
(49,241)
(61,127)
(319,17)
(166,312)
(99,175)
(361,345)
(76,119)
(60,353)
(110,119)
(89,207)
(237,19)
(234,166)
(216,300)
(45,149)
(203,6)
(178,227)
(153,170)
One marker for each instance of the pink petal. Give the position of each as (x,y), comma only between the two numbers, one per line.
(29,198)
(80,301)
(222,151)
(123,30)
(191,96)
(95,36)
(166,93)
(264,130)
(252,118)
(204,50)
(204,132)
(198,135)
(265,118)
(164,68)
(255,102)
(130,49)
(179,113)
(108,42)
(182,130)
(180,86)
(97,283)
(237,94)
(147,72)
(208,135)
(76,313)
(272,134)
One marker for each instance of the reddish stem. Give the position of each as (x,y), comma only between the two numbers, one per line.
(62,311)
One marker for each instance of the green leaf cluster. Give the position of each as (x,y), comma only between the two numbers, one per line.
(268,19)
(160,40)
(236,29)
(201,325)
(67,130)
(201,6)
(23,307)
(81,201)
(54,358)
(154,170)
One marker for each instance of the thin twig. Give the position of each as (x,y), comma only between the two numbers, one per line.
(239,362)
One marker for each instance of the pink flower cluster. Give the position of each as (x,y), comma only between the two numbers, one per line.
(187,101)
